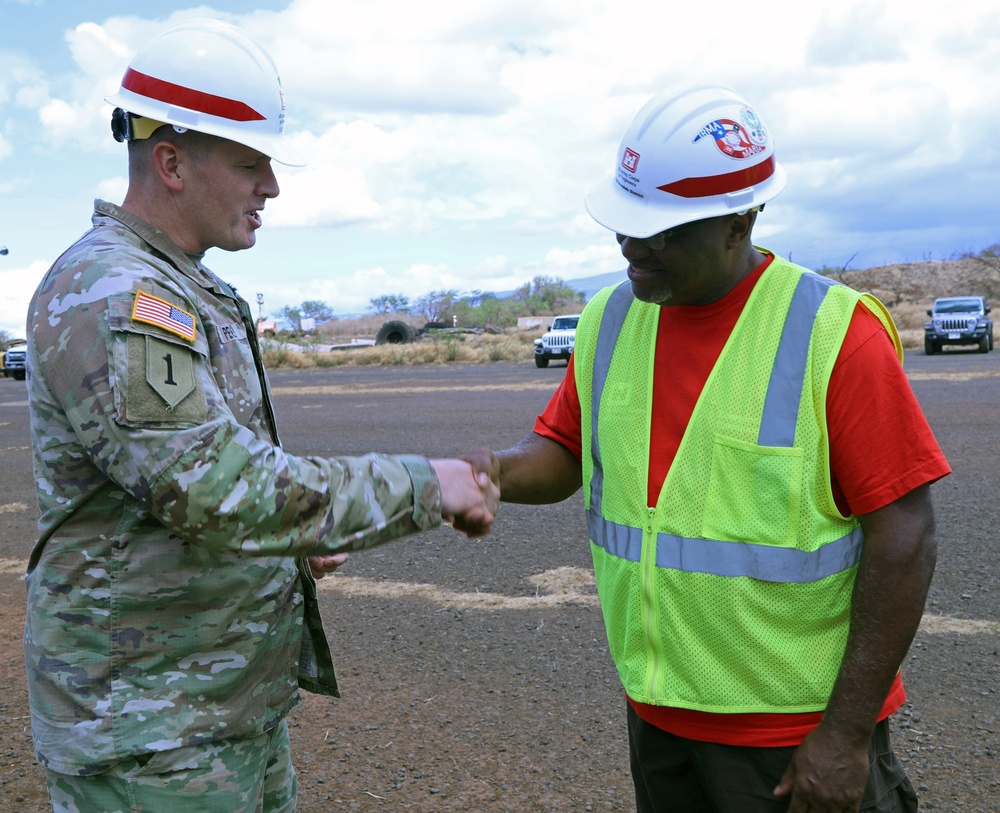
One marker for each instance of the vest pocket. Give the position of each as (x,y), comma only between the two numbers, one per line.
(754,493)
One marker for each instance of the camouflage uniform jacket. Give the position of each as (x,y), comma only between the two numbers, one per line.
(169,602)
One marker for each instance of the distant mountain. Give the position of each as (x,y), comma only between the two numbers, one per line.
(588,286)
(591,285)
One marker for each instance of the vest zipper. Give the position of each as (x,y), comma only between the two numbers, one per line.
(649,602)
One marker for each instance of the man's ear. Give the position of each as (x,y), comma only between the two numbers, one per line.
(166,160)
(740,227)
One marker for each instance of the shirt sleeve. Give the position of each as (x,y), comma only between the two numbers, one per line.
(561,419)
(881,445)
(200,471)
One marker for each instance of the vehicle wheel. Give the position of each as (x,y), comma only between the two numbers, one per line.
(19,375)
(929,348)
(984,343)
(541,361)
(394,332)
(991,340)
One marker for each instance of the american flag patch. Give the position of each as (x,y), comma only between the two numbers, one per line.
(155,311)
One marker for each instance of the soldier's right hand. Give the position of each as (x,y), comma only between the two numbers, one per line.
(469,500)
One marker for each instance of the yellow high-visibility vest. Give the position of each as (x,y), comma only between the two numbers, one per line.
(733,593)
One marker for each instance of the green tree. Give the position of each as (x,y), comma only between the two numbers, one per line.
(496,312)
(390,303)
(546,295)
(438,306)
(485,308)
(316,309)
(292,314)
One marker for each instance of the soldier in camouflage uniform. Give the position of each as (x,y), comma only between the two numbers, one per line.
(172,614)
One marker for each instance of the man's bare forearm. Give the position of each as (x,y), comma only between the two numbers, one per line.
(894,574)
(536,471)
(828,771)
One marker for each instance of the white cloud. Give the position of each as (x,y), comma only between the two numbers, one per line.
(56,116)
(17,285)
(112,189)
(450,144)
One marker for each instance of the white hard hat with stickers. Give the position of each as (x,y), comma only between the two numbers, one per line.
(691,153)
(208,76)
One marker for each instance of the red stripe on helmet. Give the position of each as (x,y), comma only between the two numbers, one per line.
(721,184)
(180,96)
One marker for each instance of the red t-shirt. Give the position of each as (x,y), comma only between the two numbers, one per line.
(881,448)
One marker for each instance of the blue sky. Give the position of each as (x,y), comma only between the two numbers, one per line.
(450,144)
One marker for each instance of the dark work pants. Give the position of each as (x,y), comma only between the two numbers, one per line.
(677,775)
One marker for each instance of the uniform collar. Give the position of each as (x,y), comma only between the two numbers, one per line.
(188,264)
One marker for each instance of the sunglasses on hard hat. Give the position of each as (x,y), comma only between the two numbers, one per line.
(657,242)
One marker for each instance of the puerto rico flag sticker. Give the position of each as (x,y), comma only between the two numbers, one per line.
(739,140)
(155,311)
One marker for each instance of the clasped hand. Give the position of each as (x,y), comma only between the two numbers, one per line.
(469,499)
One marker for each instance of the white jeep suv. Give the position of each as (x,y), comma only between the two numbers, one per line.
(557,343)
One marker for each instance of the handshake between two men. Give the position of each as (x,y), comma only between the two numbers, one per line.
(470,496)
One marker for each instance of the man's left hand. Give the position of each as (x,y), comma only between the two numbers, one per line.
(321,565)
(825,775)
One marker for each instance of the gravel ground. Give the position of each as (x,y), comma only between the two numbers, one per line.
(475,673)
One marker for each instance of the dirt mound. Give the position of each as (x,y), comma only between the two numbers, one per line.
(908,289)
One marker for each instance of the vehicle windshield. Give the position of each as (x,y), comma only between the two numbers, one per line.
(956,306)
(565,323)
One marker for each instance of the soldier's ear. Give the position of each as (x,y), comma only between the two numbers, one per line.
(166,158)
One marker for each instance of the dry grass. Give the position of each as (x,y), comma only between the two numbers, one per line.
(907,289)
(361,327)
(433,348)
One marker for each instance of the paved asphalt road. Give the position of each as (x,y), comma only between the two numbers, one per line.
(516,697)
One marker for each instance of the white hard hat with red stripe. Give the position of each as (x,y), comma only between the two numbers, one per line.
(691,153)
(211,77)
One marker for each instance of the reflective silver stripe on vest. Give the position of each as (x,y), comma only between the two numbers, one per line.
(778,422)
(764,562)
(784,390)
(615,311)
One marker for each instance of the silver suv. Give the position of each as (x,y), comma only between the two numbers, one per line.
(958,320)
(557,343)
(14,361)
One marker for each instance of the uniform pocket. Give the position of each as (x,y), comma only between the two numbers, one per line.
(754,493)
(157,380)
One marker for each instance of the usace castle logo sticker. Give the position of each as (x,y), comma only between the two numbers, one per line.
(738,140)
